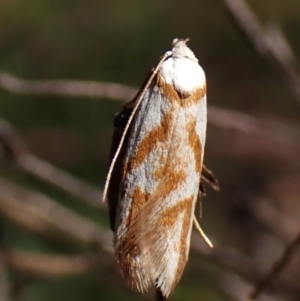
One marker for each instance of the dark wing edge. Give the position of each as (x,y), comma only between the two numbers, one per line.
(113,192)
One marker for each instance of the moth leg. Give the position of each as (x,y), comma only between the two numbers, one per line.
(201,232)
(208,177)
(202,191)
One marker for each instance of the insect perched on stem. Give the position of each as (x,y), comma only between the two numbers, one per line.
(155,175)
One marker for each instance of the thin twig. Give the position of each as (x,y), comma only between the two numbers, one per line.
(40,214)
(219,117)
(245,123)
(239,289)
(282,226)
(73,88)
(12,147)
(224,118)
(277,267)
(59,178)
(53,175)
(242,264)
(50,265)
(16,149)
(269,43)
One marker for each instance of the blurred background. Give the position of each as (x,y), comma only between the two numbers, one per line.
(55,138)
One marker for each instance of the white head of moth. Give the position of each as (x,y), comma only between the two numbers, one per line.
(153,181)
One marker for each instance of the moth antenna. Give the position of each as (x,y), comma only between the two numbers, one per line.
(113,162)
(201,232)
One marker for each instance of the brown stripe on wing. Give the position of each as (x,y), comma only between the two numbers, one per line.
(120,121)
(185,100)
(133,271)
(128,250)
(172,172)
(154,219)
(184,248)
(158,134)
(195,144)
(170,215)
(140,223)
(171,180)
(138,199)
(151,237)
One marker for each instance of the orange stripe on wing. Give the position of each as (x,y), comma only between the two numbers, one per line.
(185,100)
(127,249)
(170,215)
(159,134)
(167,221)
(139,198)
(195,144)
(170,182)
(183,248)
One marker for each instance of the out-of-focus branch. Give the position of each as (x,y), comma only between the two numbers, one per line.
(277,267)
(239,288)
(269,43)
(13,148)
(242,264)
(284,228)
(280,225)
(59,178)
(38,264)
(228,257)
(73,88)
(224,118)
(48,265)
(271,130)
(39,214)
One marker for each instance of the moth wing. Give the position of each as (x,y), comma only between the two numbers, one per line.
(164,235)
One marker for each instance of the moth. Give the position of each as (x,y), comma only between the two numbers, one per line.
(157,172)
